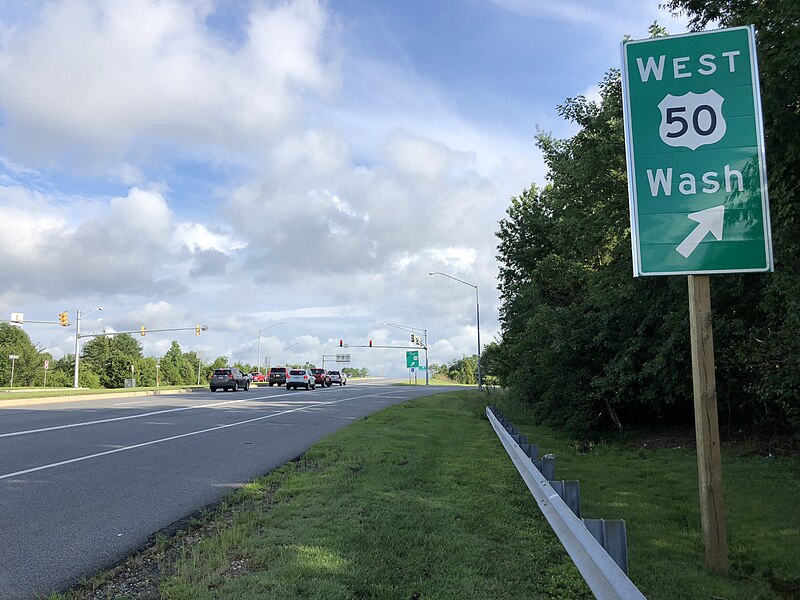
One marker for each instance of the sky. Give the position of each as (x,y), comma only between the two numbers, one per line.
(294,168)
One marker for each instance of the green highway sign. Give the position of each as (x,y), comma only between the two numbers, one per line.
(412,358)
(695,147)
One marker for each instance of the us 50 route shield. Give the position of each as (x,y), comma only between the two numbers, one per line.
(695,147)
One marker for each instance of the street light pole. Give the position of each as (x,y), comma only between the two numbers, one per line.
(258,368)
(287,348)
(477,317)
(13,358)
(77,341)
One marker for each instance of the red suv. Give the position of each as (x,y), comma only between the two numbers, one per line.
(277,375)
(321,377)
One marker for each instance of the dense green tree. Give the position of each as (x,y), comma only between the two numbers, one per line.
(171,372)
(762,331)
(111,357)
(29,367)
(356,371)
(589,346)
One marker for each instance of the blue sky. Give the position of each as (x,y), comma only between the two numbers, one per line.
(242,163)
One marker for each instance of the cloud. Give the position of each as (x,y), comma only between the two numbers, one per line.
(147,73)
(117,249)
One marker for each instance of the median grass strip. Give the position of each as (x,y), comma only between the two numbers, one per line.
(421,501)
(27,394)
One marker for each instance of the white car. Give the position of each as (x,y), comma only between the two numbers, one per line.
(300,378)
(337,377)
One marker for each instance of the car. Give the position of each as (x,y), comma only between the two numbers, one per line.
(338,377)
(321,377)
(258,377)
(229,378)
(300,378)
(277,375)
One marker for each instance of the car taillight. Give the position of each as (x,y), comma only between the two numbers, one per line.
(305,376)
(230,376)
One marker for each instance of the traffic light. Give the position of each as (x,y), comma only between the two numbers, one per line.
(197,330)
(412,338)
(370,343)
(63,319)
(341,343)
(144,330)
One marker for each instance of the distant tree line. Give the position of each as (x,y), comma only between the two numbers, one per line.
(589,347)
(462,370)
(106,362)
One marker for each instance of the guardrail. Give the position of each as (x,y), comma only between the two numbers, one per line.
(598,547)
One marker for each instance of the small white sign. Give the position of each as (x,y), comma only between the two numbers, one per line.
(46,364)
(17,318)
(13,356)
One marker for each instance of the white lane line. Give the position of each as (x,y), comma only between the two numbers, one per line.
(174,437)
(147,414)
(137,416)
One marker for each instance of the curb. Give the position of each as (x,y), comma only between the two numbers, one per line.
(66,399)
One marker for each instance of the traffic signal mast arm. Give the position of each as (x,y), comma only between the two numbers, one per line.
(203,328)
(26,321)
(395,347)
(63,321)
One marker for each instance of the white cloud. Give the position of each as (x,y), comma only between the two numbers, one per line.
(147,73)
(196,236)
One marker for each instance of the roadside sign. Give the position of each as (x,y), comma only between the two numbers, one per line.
(342,358)
(17,318)
(13,357)
(46,364)
(412,358)
(695,147)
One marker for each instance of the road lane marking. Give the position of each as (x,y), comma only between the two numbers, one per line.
(149,414)
(134,402)
(174,437)
(137,416)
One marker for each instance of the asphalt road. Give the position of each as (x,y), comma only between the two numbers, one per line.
(83,484)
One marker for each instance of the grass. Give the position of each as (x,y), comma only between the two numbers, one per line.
(14,394)
(421,501)
(431,380)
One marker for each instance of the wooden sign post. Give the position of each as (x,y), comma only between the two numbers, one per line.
(709,461)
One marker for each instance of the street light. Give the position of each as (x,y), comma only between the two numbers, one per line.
(414,330)
(77,341)
(259,341)
(477,313)
(285,349)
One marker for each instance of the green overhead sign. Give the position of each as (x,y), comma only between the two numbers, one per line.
(695,147)
(412,359)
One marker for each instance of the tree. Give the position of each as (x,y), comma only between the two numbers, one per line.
(588,346)
(29,367)
(763,331)
(111,357)
(171,365)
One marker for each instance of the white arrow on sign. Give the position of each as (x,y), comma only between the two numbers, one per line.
(708,220)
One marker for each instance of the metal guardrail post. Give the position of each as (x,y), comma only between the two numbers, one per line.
(604,576)
(570,492)
(612,535)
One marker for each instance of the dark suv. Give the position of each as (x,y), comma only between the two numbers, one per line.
(229,378)
(277,375)
(321,377)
